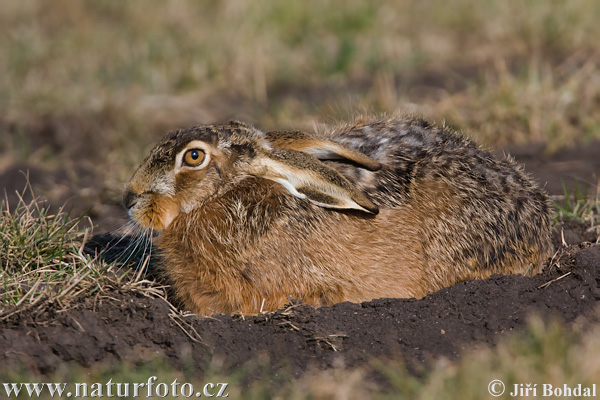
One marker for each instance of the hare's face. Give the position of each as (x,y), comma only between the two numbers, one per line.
(182,171)
(188,167)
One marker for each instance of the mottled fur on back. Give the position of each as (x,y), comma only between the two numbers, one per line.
(390,207)
(490,212)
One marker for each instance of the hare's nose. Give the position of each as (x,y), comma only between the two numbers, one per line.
(129,199)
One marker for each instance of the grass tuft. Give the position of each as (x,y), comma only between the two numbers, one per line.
(578,205)
(42,260)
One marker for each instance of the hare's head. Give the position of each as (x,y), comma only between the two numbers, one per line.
(190,166)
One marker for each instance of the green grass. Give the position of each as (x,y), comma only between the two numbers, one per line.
(545,353)
(42,261)
(578,205)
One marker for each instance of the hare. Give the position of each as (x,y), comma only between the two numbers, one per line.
(387,207)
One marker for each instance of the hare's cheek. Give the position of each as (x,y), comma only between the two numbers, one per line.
(169,214)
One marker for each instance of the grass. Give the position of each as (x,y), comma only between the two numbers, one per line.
(518,70)
(42,260)
(547,353)
(41,256)
(578,205)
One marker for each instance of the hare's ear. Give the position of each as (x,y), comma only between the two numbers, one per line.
(306,177)
(321,148)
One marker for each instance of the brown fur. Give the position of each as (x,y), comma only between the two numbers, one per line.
(448,212)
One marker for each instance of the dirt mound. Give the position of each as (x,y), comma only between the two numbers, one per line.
(122,325)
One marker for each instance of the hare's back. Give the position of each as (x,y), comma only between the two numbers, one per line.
(413,151)
(472,208)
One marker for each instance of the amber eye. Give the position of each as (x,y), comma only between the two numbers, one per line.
(193,157)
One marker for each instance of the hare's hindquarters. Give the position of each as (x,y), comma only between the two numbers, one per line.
(468,235)
(472,215)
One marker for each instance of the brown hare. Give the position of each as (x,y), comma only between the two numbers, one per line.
(387,207)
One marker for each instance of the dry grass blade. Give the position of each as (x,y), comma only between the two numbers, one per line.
(149,288)
(146,288)
(554,280)
(185,326)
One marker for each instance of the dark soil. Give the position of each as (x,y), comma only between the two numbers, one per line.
(123,325)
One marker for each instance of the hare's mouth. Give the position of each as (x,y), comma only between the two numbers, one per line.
(151,213)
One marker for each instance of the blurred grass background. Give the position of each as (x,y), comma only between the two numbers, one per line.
(86,87)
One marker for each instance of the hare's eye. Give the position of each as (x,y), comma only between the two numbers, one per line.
(193,157)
